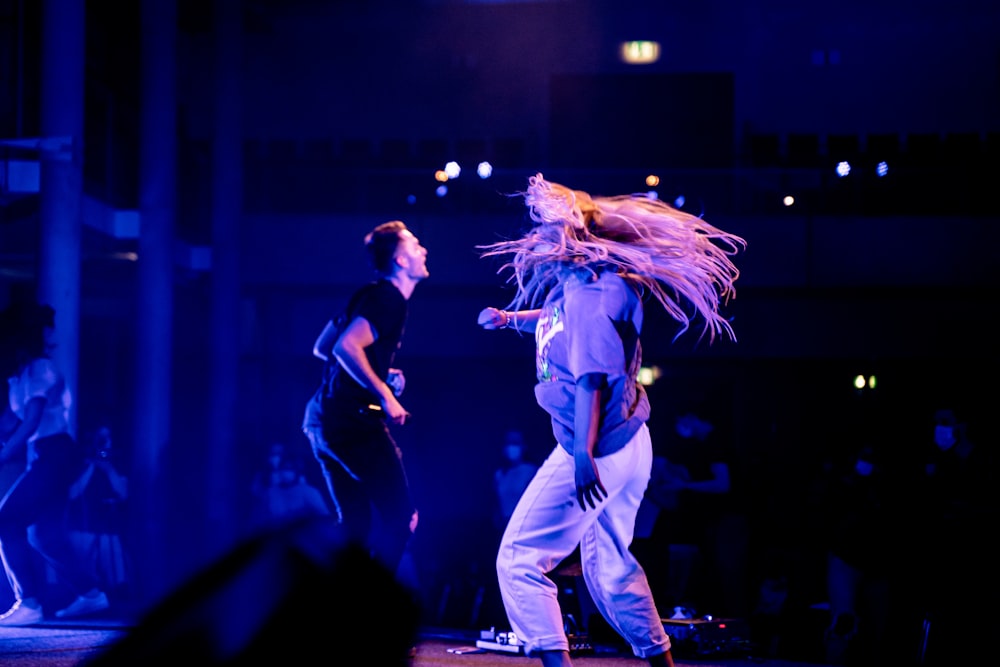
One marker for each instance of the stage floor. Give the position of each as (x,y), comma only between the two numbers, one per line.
(53,644)
(433,652)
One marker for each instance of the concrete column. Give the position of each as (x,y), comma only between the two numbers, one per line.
(61,179)
(227,209)
(154,350)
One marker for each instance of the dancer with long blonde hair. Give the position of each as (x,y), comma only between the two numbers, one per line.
(583,272)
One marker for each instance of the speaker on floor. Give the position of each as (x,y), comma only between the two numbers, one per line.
(290,595)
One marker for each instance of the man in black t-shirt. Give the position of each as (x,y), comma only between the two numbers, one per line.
(348,424)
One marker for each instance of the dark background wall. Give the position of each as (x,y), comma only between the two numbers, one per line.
(347,109)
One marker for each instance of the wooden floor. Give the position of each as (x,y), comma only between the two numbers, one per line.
(91,644)
(52,645)
(436,651)
(77,645)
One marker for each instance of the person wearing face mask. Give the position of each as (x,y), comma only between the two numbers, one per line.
(858,522)
(955,489)
(511,477)
(955,504)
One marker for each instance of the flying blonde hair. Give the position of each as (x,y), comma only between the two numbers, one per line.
(678,257)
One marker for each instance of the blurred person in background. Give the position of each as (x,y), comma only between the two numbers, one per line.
(33,511)
(953,509)
(281,491)
(96,515)
(511,478)
(858,519)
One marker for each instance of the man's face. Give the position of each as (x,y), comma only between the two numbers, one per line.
(411,256)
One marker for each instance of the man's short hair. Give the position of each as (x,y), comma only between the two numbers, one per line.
(381,244)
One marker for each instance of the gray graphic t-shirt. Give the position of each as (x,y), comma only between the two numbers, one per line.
(591,325)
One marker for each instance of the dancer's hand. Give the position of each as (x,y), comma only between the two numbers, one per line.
(589,488)
(493,318)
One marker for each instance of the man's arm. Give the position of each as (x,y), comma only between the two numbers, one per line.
(349,350)
(323,347)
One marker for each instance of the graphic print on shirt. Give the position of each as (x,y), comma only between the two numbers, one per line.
(549,324)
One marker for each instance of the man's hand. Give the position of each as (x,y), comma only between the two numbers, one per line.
(394,411)
(396,381)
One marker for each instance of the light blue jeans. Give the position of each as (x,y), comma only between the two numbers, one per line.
(545,528)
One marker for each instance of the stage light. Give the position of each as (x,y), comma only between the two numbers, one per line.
(881,169)
(441,176)
(485,170)
(861,382)
(441,190)
(679,202)
(648,375)
(843,168)
(652,180)
(452,169)
(788,200)
(639,52)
